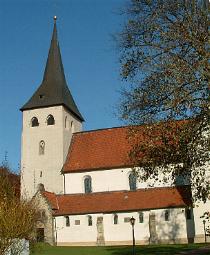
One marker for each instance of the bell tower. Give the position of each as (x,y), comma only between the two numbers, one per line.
(50,117)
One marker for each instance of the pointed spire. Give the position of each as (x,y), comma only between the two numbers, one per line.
(54,71)
(53,89)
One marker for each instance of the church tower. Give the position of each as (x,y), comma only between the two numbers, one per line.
(49,119)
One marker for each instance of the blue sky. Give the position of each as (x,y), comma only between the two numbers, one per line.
(89,54)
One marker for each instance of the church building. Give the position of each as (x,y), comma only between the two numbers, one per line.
(83,180)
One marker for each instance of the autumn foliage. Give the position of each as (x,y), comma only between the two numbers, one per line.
(164,61)
(17,216)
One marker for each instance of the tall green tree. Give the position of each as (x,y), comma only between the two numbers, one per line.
(164,58)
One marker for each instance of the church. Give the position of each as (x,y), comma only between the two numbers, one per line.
(82,181)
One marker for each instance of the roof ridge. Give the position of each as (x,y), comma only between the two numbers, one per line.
(49,192)
(126,126)
(102,129)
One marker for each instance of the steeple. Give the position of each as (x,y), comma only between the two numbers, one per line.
(53,89)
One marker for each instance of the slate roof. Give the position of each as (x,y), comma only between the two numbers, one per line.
(53,89)
(119,201)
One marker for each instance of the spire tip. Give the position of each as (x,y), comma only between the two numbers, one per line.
(55,18)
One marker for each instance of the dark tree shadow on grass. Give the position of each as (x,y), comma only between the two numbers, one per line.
(168,231)
(152,249)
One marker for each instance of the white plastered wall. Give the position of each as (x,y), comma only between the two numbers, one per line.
(45,169)
(176,228)
(199,209)
(76,233)
(122,232)
(105,180)
(173,230)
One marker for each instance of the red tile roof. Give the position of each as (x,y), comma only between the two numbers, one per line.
(119,201)
(98,149)
(52,199)
(110,148)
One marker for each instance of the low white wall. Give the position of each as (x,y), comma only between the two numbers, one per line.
(123,230)
(173,229)
(76,233)
(199,210)
(121,233)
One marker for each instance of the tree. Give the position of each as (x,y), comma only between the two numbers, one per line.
(17,217)
(164,55)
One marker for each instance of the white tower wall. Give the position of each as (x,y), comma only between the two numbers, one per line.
(45,168)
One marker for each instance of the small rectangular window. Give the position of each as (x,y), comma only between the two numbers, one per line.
(167,215)
(77,222)
(141,217)
(90,220)
(67,221)
(115,219)
(127,219)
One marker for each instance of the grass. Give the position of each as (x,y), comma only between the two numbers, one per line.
(43,249)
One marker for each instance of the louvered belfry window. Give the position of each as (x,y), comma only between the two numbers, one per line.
(50,120)
(34,122)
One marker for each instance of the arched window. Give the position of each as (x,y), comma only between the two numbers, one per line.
(50,120)
(67,221)
(167,215)
(34,122)
(66,122)
(88,184)
(90,220)
(72,126)
(41,147)
(141,217)
(115,219)
(132,181)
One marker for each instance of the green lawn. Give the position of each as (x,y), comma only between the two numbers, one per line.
(115,250)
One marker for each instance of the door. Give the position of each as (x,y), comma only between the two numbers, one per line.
(40,234)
